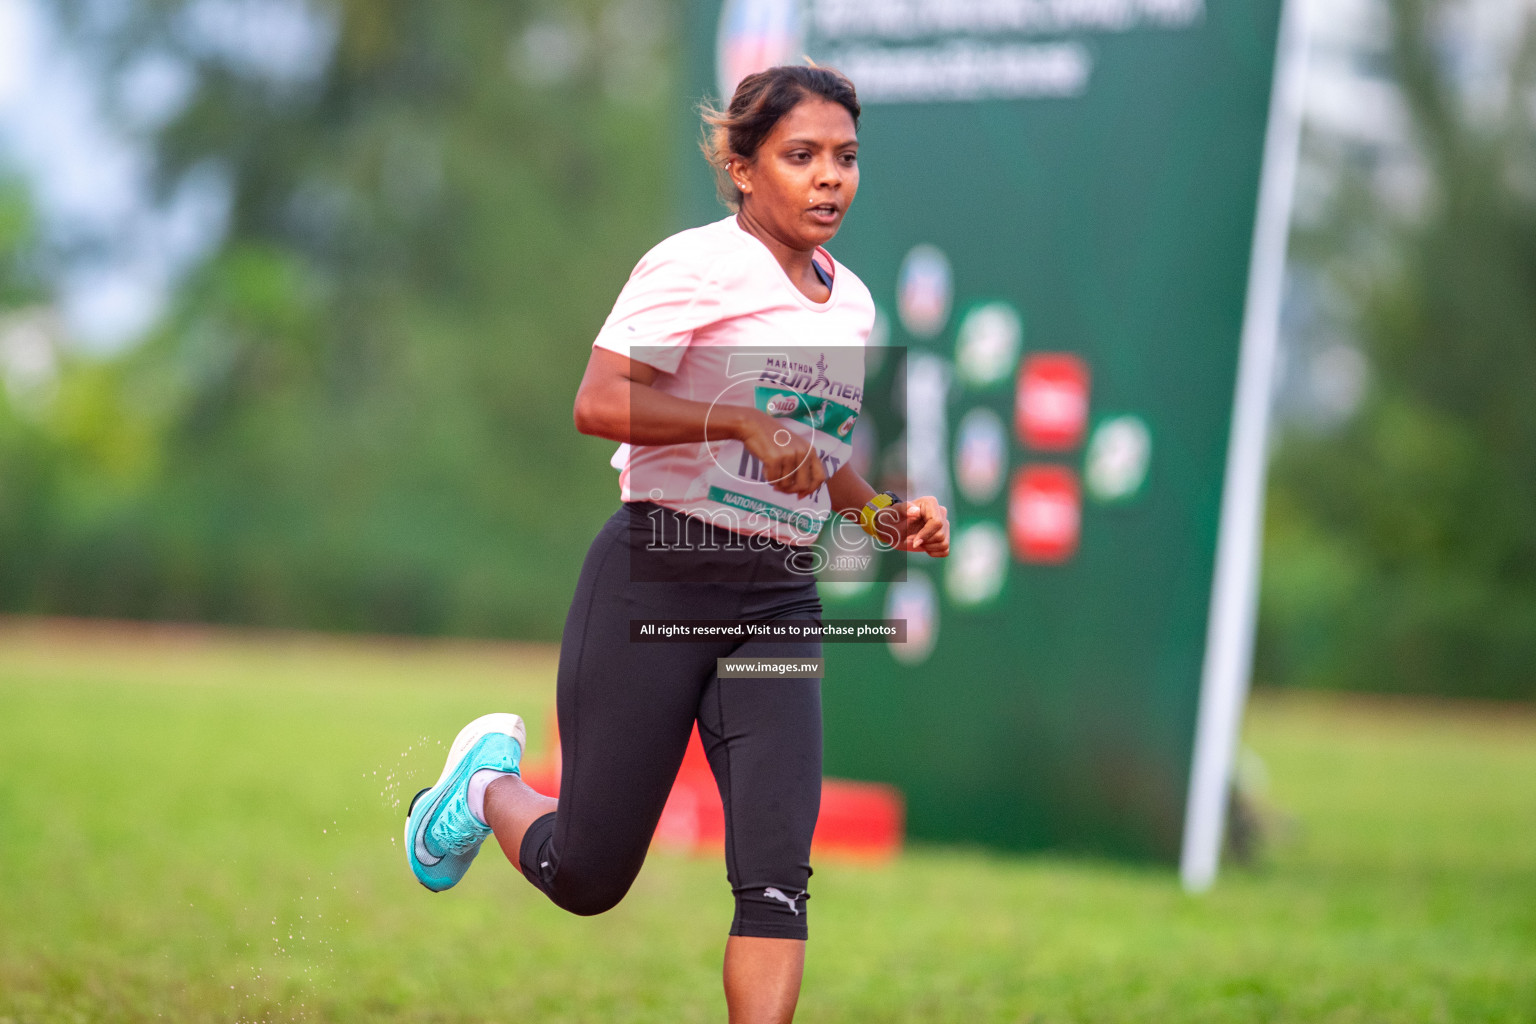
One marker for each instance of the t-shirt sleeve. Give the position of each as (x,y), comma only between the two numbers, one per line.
(664,301)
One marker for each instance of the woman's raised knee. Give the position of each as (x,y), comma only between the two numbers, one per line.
(592,899)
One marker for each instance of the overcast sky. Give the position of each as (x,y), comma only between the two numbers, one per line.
(87,176)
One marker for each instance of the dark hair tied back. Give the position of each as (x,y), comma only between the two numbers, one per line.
(760,101)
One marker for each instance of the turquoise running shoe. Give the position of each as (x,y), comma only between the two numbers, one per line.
(441,835)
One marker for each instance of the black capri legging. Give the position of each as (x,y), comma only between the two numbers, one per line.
(626,711)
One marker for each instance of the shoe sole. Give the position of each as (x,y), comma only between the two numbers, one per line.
(500,721)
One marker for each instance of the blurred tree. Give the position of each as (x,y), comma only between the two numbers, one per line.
(1402,547)
(357,414)
(27,372)
(19,282)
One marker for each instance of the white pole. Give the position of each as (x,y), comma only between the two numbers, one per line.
(1234,590)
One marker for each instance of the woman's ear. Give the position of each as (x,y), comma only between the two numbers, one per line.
(740,172)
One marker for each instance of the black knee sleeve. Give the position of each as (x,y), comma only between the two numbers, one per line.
(770,912)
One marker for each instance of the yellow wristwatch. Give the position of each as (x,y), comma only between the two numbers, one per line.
(885,499)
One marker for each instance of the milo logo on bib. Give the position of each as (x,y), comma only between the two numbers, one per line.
(780,404)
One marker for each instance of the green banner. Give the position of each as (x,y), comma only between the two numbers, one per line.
(1057,220)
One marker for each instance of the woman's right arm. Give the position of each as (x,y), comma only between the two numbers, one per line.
(616,401)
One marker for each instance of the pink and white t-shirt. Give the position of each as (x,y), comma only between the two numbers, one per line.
(713,311)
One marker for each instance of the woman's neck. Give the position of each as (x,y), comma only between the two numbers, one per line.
(796,262)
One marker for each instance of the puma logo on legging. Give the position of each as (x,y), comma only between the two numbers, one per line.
(777,895)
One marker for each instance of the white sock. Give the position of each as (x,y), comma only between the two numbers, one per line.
(477,783)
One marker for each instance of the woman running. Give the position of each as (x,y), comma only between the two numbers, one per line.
(731,371)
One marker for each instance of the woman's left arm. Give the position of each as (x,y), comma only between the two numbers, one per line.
(921,524)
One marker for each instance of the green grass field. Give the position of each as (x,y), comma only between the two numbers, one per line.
(205,827)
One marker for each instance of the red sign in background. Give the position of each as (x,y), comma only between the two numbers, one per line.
(1044,514)
(1051,405)
(858,820)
